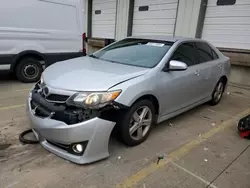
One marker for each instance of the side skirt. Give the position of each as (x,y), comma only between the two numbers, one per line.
(180,111)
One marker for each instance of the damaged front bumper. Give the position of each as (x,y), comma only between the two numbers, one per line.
(58,136)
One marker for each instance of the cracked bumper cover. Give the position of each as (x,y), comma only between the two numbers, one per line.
(95,131)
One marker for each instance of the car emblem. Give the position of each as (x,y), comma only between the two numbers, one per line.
(46,91)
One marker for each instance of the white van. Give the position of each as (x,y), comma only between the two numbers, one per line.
(36,33)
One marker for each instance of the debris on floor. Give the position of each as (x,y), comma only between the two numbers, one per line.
(205,117)
(4,146)
(238,92)
(119,157)
(205,149)
(213,124)
(205,160)
(159,158)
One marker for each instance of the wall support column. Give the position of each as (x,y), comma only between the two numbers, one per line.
(122,16)
(190,18)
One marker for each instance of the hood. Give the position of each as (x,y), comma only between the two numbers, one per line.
(89,74)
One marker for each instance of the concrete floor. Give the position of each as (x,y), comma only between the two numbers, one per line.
(201,148)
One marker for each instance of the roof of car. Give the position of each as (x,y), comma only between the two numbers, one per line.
(163,37)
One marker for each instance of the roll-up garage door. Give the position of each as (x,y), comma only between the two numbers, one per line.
(227,23)
(154,17)
(103,18)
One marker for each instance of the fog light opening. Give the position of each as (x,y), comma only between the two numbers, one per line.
(77,148)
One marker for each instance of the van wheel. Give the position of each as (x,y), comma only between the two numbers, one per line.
(29,70)
(218,92)
(136,124)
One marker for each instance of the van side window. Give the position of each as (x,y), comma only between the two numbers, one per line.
(204,52)
(185,53)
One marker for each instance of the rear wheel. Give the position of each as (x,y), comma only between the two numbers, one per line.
(218,92)
(29,70)
(136,124)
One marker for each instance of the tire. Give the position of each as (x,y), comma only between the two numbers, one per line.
(127,121)
(29,70)
(217,93)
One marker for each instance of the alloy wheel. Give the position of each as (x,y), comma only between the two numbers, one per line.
(218,92)
(140,123)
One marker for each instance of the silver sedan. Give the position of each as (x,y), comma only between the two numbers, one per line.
(128,85)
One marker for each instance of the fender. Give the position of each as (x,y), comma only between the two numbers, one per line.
(25,53)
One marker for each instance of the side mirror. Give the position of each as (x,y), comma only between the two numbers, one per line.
(177,66)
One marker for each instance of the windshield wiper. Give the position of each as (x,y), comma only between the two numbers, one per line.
(111,61)
(93,56)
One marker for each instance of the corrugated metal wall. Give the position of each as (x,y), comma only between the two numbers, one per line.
(228,26)
(159,19)
(224,26)
(103,18)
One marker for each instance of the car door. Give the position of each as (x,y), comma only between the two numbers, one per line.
(179,88)
(208,68)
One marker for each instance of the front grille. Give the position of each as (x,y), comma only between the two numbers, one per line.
(57,98)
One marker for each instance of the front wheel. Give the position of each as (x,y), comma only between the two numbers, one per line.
(135,125)
(218,92)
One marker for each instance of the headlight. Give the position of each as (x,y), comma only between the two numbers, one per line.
(93,100)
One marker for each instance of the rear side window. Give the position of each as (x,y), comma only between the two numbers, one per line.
(185,53)
(204,52)
(215,55)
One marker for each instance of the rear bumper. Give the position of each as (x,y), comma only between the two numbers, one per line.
(95,131)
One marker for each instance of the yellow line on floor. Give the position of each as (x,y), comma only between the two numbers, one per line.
(13,91)
(153,167)
(27,89)
(12,107)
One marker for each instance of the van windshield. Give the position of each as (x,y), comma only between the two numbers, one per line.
(136,52)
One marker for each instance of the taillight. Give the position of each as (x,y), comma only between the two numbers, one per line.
(84,43)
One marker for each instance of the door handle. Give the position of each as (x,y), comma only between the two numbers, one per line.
(196,73)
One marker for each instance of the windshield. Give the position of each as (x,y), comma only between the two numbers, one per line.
(135,52)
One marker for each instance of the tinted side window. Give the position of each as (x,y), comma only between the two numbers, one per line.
(185,53)
(215,55)
(204,52)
